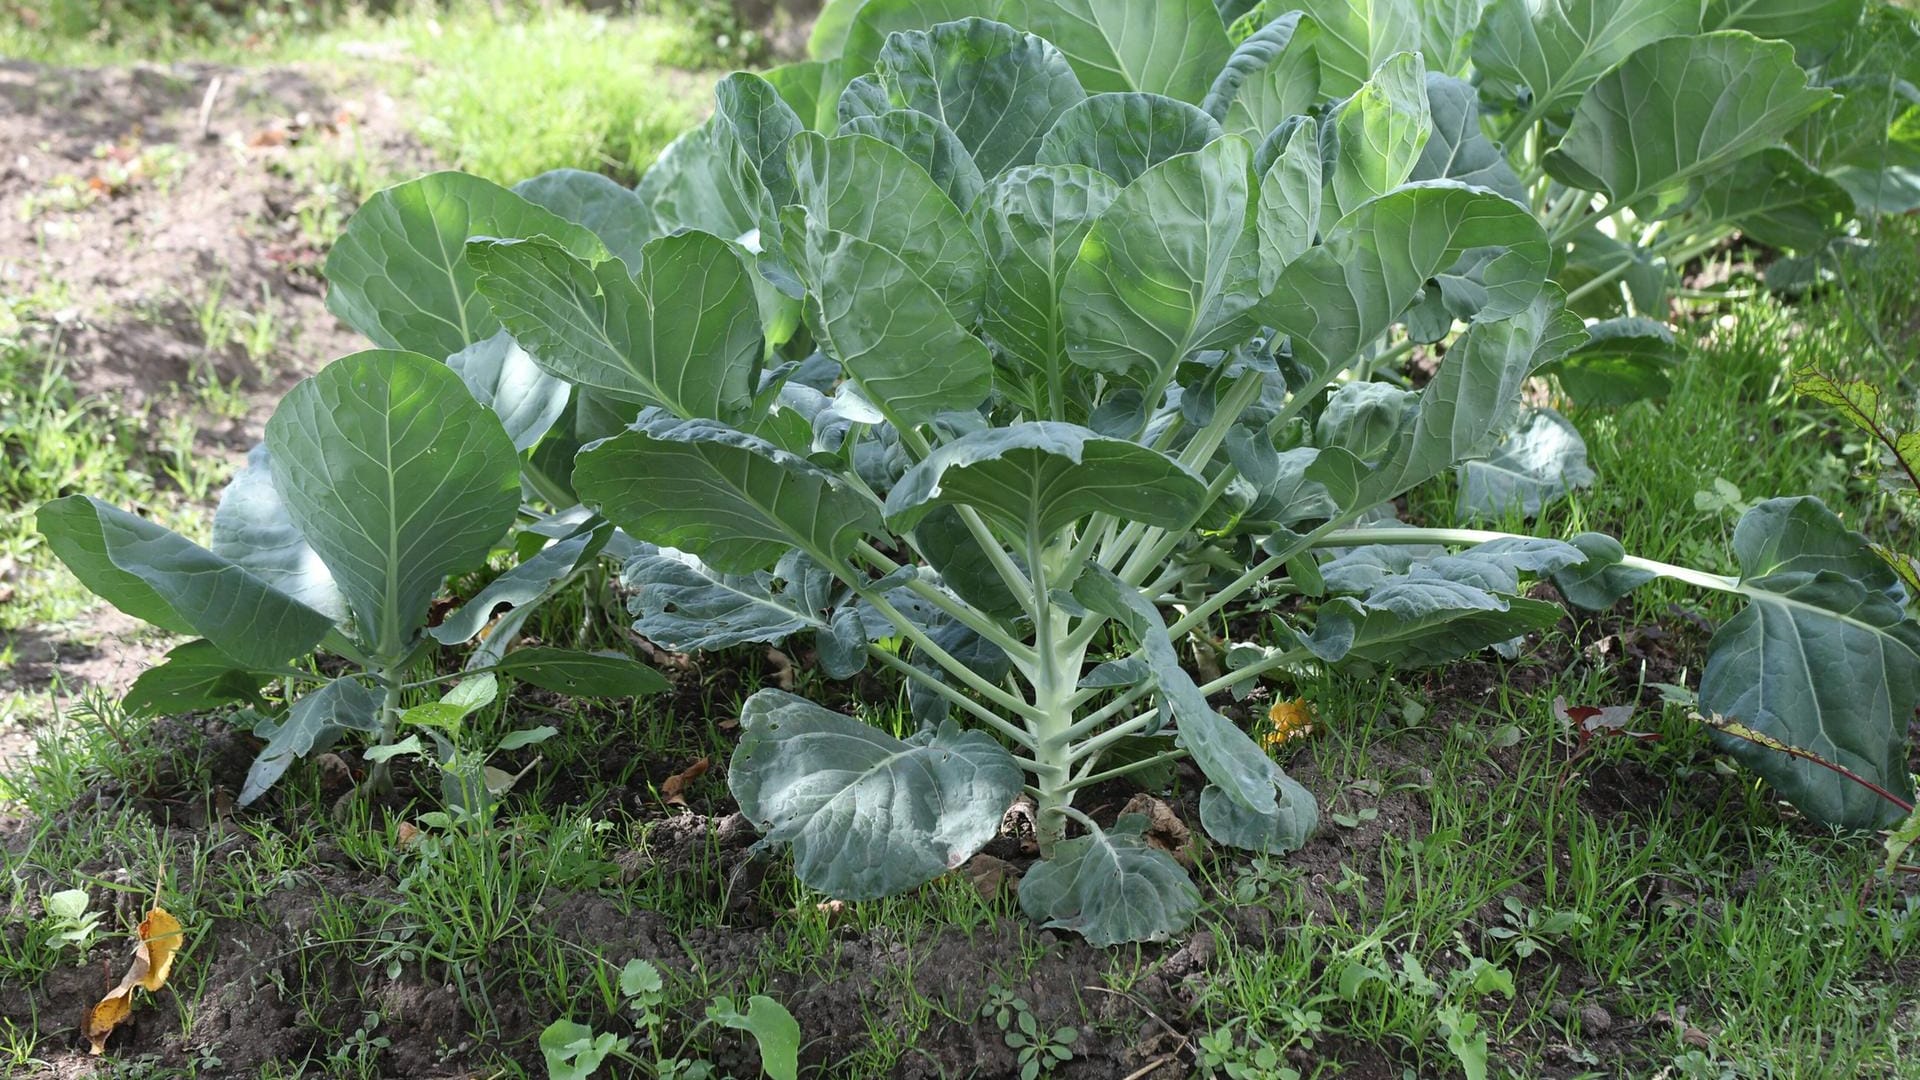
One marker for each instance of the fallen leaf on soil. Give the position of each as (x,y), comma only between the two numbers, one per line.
(782,668)
(152,963)
(673,791)
(1165,830)
(1587,721)
(991,875)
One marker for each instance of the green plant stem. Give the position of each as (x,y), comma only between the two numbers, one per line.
(1564,230)
(1362,537)
(1605,278)
(941,656)
(962,612)
(1118,771)
(981,712)
(1054,681)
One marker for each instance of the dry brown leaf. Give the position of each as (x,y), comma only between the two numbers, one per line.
(407,834)
(673,791)
(1165,830)
(160,937)
(782,665)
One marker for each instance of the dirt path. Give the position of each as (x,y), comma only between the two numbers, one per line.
(165,247)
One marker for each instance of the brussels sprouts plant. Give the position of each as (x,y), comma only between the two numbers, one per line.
(1012,346)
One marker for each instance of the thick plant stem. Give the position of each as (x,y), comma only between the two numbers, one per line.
(380,779)
(1055,679)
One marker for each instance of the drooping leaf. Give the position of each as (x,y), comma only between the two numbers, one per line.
(614,213)
(1296,815)
(1776,199)
(1033,220)
(1125,134)
(1170,268)
(1170,47)
(196,675)
(866,814)
(1420,621)
(1111,887)
(312,723)
(683,604)
(997,88)
(1340,295)
(1271,75)
(1379,133)
(528,583)
(582,674)
(1822,658)
(867,189)
(930,144)
(1044,476)
(734,500)
(890,331)
(161,577)
(501,376)
(1556,49)
(1603,579)
(1227,756)
(252,528)
(399,272)
(1541,460)
(1679,109)
(1625,359)
(397,477)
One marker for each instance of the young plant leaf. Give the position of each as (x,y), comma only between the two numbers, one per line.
(929,143)
(1379,133)
(397,478)
(1272,75)
(1111,887)
(312,723)
(1124,135)
(775,1032)
(160,577)
(867,814)
(1033,220)
(582,674)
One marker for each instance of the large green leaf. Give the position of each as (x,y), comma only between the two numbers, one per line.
(1124,135)
(684,334)
(999,89)
(582,674)
(930,144)
(889,330)
(1776,199)
(752,124)
(399,272)
(1046,475)
(251,528)
(1813,26)
(1170,268)
(1556,49)
(1624,359)
(1295,816)
(397,477)
(1111,887)
(1032,220)
(312,723)
(867,815)
(615,213)
(1457,150)
(869,190)
(1272,75)
(1224,753)
(1678,109)
(1356,37)
(1822,658)
(1171,47)
(1287,219)
(736,501)
(1340,295)
(1421,621)
(1379,133)
(161,577)
(500,375)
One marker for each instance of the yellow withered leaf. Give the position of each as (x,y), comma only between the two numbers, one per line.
(160,938)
